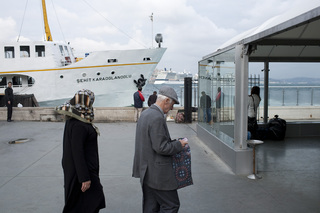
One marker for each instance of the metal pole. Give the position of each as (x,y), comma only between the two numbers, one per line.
(194,96)
(266,92)
(297,96)
(181,95)
(197,93)
(151,18)
(282,97)
(312,97)
(187,100)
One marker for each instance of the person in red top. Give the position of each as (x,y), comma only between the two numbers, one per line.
(138,103)
(219,103)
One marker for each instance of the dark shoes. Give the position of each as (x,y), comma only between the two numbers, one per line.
(9,120)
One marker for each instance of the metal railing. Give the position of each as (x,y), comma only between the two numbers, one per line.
(278,96)
(294,95)
(195,99)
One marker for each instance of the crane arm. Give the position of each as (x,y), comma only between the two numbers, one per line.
(46,24)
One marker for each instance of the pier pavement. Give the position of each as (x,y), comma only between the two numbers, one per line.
(31,178)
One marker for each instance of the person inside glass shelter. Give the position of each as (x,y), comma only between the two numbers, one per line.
(219,103)
(205,105)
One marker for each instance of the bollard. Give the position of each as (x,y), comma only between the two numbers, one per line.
(187,100)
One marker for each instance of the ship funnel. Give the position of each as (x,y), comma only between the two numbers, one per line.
(159,39)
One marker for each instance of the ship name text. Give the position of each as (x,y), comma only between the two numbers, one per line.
(108,78)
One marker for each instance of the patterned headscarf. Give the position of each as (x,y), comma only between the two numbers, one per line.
(79,107)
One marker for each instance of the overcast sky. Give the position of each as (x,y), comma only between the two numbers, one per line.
(191,29)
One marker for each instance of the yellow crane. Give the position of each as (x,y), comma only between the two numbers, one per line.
(46,24)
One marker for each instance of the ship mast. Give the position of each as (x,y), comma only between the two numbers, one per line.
(46,24)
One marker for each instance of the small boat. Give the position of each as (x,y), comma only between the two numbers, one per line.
(50,71)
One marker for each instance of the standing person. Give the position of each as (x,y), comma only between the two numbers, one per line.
(219,103)
(152,98)
(205,105)
(138,104)
(153,156)
(253,104)
(80,159)
(9,100)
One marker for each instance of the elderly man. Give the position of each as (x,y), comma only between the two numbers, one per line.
(153,155)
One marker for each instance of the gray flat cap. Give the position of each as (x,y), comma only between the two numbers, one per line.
(169,92)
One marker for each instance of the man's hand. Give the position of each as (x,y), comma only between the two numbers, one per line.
(183,141)
(85,185)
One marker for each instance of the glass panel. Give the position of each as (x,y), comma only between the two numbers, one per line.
(216,98)
(285,93)
(61,50)
(66,50)
(3,82)
(24,51)
(40,51)
(9,52)
(16,81)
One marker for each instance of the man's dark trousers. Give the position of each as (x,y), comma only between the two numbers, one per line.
(9,106)
(160,201)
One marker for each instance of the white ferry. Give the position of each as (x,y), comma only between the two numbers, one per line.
(50,71)
(171,77)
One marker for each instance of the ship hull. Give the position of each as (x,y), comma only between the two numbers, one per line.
(110,73)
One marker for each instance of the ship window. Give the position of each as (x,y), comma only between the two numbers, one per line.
(113,72)
(3,81)
(9,52)
(30,81)
(112,60)
(61,76)
(98,73)
(61,50)
(24,51)
(66,50)
(84,74)
(16,81)
(40,51)
(147,59)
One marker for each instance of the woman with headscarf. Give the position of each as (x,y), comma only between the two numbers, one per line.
(80,160)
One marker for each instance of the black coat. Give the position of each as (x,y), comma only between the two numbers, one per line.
(205,101)
(9,94)
(152,99)
(80,162)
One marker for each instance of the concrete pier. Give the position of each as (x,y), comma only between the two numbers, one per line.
(126,114)
(102,114)
(31,178)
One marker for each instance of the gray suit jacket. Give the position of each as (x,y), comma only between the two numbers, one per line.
(153,151)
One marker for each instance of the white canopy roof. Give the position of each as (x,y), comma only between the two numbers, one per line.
(290,37)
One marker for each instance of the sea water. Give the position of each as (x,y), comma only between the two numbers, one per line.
(280,95)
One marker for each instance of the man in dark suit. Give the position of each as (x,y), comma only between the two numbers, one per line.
(153,155)
(205,105)
(9,100)
(152,98)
